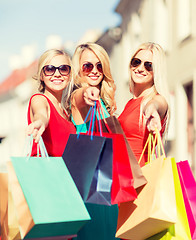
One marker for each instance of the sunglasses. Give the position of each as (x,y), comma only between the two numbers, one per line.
(135,62)
(88,67)
(49,70)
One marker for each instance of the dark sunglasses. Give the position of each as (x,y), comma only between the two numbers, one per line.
(135,62)
(88,67)
(49,70)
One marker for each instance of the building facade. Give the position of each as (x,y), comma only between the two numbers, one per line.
(172,24)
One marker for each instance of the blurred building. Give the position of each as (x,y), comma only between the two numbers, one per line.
(15,92)
(172,24)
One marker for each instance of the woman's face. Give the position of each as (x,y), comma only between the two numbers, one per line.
(90,68)
(56,81)
(141,69)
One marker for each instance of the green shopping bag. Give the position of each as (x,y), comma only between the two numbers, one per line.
(180,230)
(55,205)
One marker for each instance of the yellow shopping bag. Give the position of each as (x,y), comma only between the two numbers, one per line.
(180,230)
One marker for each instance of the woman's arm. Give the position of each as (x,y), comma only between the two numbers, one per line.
(39,114)
(155,111)
(85,96)
(81,100)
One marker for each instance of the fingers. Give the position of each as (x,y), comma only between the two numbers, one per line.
(91,95)
(153,120)
(154,124)
(35,129)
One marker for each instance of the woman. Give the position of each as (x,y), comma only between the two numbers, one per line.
(46,115)
(148,109)
(94,82)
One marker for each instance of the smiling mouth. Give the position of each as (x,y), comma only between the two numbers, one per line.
(94,77)
(58,81)
(140,74)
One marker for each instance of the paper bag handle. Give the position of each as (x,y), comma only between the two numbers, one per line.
(41,149)
(155,146)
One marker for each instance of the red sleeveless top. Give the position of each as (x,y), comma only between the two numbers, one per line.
(57,132)
(136,134)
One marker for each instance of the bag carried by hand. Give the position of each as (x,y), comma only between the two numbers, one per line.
(111,124)
(180,230)
(4,204)
(155,208)
(47,201)
(188,185)
(93,163)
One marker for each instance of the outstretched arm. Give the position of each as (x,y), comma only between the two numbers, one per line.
(39,114)
(154,111)
(82,99)
(85,96)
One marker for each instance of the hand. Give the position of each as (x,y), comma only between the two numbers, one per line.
(153,120)
(91,94)
(36,128)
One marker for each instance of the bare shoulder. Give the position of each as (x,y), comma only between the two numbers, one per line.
(39,101)
(160,99)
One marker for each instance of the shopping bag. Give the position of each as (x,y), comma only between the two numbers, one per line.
(55,205)
(155,208)
(4,204)
(9,227)
(89,161)
(188,185)
(112,124)
(122,178)
(180,230)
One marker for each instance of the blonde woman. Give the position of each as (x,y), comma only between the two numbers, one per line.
(93,79)
(46,115)
(148,109)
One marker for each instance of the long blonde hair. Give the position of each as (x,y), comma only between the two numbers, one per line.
(43,60)
(108,87)
(159,76)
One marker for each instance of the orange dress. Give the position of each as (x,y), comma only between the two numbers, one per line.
(135,132)
(56,134)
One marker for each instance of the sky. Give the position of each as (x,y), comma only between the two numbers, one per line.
(27,24)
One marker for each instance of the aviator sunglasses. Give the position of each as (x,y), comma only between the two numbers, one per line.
(88,67)
(49,70)
(135,62)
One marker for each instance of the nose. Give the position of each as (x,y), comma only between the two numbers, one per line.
(141,67)
(94,70)
(57,73)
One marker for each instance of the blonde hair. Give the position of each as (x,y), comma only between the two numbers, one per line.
(108,87)
(159,76)
(43,60)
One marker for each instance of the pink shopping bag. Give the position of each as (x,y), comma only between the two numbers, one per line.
(188,185)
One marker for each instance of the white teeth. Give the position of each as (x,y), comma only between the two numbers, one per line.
(56,81)
(94,78)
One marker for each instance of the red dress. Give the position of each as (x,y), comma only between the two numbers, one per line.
(136,133)
(57,132)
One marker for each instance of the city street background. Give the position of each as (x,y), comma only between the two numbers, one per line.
(26,25)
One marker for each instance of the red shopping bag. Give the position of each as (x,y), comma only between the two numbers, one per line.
(188,185)
(122,178)
(113,124)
